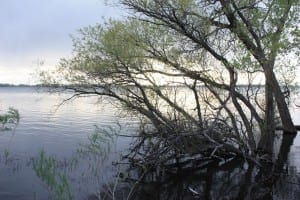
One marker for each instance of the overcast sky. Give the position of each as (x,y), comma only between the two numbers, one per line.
(32,30)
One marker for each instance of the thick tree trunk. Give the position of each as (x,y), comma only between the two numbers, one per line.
(286,144)
(267,136)
(286,120)
(272,89)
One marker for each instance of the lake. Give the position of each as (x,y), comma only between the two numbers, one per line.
(60,131)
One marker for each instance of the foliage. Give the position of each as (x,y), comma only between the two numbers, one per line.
(46,169)
(179,66)
(99,144)
(94,153)
(98,149)
(6,155)
(11,117)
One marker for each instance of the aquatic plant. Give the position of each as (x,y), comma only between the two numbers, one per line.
(99,144)
(11,117)
(6,155)
(46,169)
(96,150)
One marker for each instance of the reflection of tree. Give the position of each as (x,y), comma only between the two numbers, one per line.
(233,180)
(217,182)
(288,186)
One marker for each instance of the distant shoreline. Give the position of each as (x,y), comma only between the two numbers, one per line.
(162,86)
(16,85)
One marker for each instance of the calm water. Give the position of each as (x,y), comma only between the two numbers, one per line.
(59,131)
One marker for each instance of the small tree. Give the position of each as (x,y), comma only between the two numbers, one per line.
(203,48)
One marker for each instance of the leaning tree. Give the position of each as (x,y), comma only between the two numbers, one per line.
(201,74)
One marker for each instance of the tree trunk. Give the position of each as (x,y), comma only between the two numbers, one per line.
(285,147)
(286,120)
(267,135)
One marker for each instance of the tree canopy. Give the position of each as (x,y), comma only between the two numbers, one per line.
(194,68)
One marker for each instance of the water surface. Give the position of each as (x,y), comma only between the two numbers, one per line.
(45,126)
(59,131)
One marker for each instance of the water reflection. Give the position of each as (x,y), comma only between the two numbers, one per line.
(236,180)
(232,179)
(90,166)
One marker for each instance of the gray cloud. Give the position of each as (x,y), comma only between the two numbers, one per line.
(39,29)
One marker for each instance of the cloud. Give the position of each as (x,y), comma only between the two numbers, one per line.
(39,29)
(16,75)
